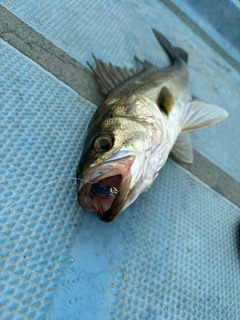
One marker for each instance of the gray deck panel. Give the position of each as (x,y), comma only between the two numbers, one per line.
(125,31)
(174,253)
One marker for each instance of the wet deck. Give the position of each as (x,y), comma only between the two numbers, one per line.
(174,253)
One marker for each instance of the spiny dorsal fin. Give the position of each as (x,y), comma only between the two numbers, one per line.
(165,101)
(173,52)
(109,76)
(182,148)
(144,63)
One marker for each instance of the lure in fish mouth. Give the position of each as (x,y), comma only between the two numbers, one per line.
(105,193)
(146,115)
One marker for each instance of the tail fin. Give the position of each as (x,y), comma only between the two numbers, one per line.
(173,52)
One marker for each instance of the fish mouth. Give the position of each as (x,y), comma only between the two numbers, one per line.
(114,174)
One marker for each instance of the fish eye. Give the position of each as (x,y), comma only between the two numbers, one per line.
(103,143)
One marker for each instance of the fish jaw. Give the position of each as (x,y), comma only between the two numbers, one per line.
(116,173)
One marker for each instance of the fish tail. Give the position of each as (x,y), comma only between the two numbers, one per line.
(173,52)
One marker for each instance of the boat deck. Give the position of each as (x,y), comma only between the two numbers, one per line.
(173,254)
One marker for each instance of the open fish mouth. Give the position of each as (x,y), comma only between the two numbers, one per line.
(118,177)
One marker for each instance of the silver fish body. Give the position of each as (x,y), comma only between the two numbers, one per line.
(145,116)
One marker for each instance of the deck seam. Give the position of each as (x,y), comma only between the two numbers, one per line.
(68,70)
(202,34)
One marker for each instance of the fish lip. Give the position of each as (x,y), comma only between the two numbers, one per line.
(111,213)
(107,216)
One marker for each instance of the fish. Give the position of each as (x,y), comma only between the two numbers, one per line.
(146,115)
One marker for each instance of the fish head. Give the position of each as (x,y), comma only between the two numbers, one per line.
(114,155)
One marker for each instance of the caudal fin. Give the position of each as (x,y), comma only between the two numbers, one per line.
(173,52)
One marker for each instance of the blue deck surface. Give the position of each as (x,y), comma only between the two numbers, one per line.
(115,32)
(219,20)
(173,254)
(173,257)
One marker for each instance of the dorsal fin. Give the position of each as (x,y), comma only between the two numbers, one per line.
(165,101)
(109,76)
(173,52)
(144,63)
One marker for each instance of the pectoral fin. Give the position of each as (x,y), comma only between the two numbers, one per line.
(182,148)
(199,114)
(165,100)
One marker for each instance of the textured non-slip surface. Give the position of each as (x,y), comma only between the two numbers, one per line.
(217,18)
(174,254)
(116,31)
(41,131)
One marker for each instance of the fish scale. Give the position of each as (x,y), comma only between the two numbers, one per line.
(143,118)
